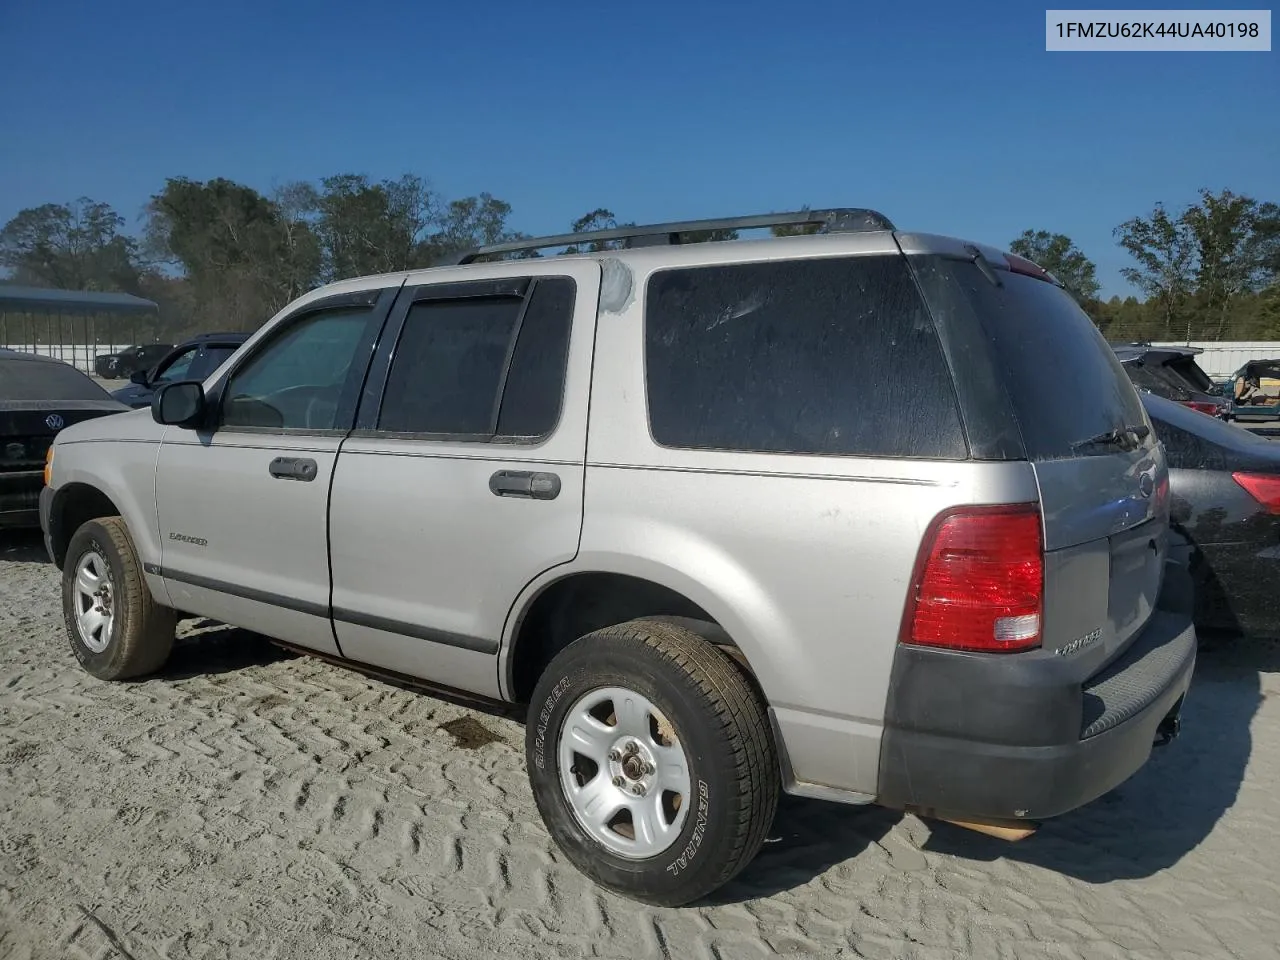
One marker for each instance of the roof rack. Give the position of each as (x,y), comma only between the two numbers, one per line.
(836,220)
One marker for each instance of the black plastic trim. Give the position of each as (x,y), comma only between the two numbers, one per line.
(515,287)
(495,412)
(236,590)
(1000,735)
(444,637)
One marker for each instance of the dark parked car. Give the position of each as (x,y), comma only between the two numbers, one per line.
(1172,373)
(38,397)
(1225,489)
(192,359)
(113,366)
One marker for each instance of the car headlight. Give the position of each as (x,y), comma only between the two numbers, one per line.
(48,464)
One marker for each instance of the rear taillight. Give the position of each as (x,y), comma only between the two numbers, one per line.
(1201,406)
(1263,487)
(979,583)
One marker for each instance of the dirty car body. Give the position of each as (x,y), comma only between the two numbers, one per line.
(654,476)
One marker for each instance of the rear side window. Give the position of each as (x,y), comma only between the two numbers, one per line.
(296,380)
(1065,382)
(482,367)
(832,356)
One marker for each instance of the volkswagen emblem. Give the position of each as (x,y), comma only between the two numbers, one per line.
(54,422)
(1146,484)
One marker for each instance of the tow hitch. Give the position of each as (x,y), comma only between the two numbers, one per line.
(1169,728)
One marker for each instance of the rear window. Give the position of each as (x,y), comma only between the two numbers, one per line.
(1192,373)
(832,356)
(1146,378)
(1065,382)
(28,381)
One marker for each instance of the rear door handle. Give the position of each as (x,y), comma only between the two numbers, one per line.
(524,483)
(293,468)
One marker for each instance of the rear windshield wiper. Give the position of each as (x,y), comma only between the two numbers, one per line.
(1126,437)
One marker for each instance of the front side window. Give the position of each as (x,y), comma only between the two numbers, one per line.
(297,379)
(482,367)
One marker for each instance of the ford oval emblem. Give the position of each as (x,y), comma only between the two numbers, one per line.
(1146,484)
(54,422)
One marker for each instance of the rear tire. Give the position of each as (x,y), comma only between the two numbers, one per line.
(115,627)
(691,832)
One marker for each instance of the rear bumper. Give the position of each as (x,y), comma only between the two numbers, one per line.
(1012,737)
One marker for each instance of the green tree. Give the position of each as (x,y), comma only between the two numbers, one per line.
(368,228)
(1164,251)
(1057,253)
(242,255)
(601,218)
(466,224)
(1236,241)
(72,246)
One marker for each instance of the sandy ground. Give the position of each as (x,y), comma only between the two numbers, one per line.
(252,804)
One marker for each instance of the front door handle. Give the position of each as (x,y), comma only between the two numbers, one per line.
(524,483)
(293,468)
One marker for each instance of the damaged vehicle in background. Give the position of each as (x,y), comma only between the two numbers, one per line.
(1254,391)
(1172,373)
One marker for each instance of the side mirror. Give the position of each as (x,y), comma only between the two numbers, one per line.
(139,377)
(180,404)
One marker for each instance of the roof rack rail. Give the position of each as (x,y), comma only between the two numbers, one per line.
(836,220)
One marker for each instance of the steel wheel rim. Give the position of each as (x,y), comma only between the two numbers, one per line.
(94,596)
(624,772)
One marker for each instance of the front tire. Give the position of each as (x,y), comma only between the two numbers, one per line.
(115,627)
(652,762)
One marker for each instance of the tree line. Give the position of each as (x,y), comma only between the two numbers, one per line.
(220,255)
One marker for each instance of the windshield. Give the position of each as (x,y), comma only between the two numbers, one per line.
(27,381)
(1065,382)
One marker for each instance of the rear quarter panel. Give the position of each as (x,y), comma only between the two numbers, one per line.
(805,561)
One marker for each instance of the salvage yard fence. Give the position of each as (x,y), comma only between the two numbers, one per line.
(1222,358)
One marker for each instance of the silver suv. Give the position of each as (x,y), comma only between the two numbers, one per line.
(859,514)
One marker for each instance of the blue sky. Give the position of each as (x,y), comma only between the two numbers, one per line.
(948,117)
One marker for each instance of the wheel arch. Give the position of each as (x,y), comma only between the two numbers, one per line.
(74,504)
(567,602)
